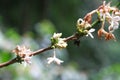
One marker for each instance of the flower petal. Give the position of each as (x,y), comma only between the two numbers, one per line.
(116,18)
(58,61)
(91,35)
(115,25)
(50,59)
(57,35)
(91,30)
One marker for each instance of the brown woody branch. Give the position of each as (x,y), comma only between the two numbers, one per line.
(16,60)
(73,37)
(8,63)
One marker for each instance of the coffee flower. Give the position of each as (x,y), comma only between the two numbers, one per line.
(117,12)
(105,9)
(89,32)
(57,35)
(114,23)
(82,24)
(61,43)
(24,53)
(54,59)
(57,41)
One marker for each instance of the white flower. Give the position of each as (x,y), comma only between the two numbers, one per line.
(79,21)
(89,32)
(105,9)
(24,53)
(57,35)
(82,24)
(114,24)
(61,43)
(54,59)
(57,41)
(27,60)
(117,13)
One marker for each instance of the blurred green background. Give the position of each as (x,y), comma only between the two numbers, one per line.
(33,22)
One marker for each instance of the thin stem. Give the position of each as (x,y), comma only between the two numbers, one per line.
(8,62)
(73,37)
(40,51)
(95,22)
(103,22)
(54,54)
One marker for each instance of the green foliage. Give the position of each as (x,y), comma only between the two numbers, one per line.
(13,35)
(53,42)
(45,27)
(5,56)
(111,72)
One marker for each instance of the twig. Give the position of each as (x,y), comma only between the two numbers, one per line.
(16,60)
(8,63)
(73,37)
(40,51)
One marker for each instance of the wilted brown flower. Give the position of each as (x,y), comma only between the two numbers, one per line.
(88,18)
(102,32)
(110,36)
(107,35)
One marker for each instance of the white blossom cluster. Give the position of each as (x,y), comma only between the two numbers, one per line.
(24,53)
(106,14)
(57,42)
